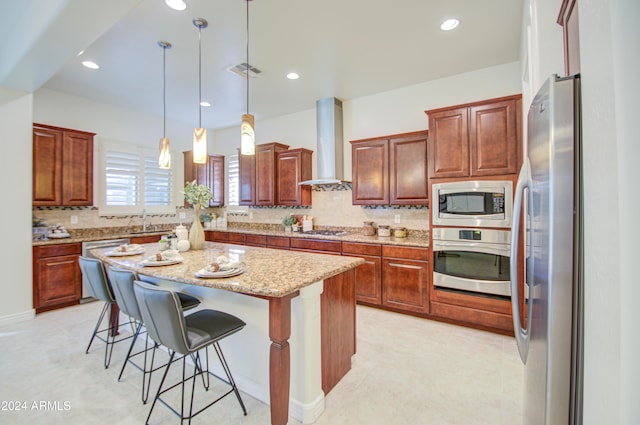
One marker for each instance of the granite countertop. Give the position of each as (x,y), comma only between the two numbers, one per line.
(269,272)
(416,239)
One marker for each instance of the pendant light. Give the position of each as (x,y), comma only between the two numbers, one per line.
(247,131)
(200,134)
(164,159)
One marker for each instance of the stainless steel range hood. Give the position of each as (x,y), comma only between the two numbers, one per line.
(329,149)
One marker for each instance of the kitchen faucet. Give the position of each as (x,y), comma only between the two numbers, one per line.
(145,225)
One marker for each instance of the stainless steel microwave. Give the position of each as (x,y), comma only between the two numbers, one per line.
(477,203)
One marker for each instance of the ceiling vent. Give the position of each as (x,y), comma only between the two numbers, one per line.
(241,70)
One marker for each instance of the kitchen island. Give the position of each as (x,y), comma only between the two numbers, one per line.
(287,299)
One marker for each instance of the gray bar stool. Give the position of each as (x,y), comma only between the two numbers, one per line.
(185,335)
(99,287)
(122,284)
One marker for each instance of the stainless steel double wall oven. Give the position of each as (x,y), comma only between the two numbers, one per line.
(471,236)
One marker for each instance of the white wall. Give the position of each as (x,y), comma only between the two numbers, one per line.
(609,68)
(15,214)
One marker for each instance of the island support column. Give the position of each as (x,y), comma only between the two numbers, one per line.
(280,358)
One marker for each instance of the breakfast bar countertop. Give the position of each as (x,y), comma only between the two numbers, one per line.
(269,272)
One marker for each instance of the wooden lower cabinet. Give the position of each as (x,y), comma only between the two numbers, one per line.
(368,275)
(57,279)
(145,239)
(405,285)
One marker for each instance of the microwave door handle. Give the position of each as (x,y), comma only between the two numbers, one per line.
(521,333)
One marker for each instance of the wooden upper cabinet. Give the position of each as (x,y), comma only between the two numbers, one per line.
(62,166)
(568,19)
(476,139)
(293,166)
(370,168)
(449,143)
(390,170)
(247,179)
(266,172)
(493,138)
(210,174)
(408,182)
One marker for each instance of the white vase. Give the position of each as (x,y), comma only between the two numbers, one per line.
(196,233)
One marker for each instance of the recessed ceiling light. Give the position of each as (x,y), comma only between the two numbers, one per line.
(293,76)
(176,4)
(90,64)
(449,24)
(205,104)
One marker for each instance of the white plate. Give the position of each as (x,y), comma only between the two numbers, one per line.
(154,263)
(205,274)
(58,235)
(124,253)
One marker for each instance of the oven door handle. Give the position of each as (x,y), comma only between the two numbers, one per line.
(483,248)
(522,334)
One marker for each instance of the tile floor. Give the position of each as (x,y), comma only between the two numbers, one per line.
(407,371)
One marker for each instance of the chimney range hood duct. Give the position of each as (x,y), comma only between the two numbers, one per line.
(329,142)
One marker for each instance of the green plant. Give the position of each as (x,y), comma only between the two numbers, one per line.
(289,220)
(206,217)
(197,194)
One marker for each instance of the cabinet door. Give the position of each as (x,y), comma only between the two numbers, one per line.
(370,165)
(449,143)
(266,172)
(197,172)
(493,138)
(405,284)
(47,167)
(408,183)
(293,167)
(59,281)
(247,177)
(77,170)
(368,275)
(215,178)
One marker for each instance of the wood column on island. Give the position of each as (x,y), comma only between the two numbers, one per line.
(280,357)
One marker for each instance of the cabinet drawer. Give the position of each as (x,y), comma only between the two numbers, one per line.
(408,253)
(218,236)
(59,250)
(145,239)
(236,238)
(354,248)
(255,240)
(281,242)
(317,245)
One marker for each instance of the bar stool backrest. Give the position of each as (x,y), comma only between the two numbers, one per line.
(96,277)
(122,285)
(162,316)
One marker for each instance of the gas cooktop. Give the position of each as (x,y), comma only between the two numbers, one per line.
(325,232)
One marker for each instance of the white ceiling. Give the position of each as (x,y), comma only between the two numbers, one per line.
(341,48)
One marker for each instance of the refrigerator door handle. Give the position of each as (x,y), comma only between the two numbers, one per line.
(521,333)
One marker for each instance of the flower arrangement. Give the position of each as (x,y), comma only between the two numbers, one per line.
(197,194)
(289,220)
(207,217)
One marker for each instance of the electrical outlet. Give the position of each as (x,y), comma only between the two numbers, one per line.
(182,215)
(74,219)
(396,218)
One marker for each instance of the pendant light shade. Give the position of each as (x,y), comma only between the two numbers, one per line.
(200,134)
(248,136)
(164,159)
(247,129)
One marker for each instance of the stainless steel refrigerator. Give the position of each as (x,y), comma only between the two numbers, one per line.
(548,202)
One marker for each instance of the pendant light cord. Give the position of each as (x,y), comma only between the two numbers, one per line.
(164,91)
(248,56)
(199,76)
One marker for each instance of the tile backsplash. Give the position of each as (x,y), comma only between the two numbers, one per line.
(331,208)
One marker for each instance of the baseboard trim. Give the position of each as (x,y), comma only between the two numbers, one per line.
(18,317)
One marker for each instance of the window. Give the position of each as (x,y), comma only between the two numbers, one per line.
(234,180)
(132,181)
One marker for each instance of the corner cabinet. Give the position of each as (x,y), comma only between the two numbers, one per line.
(266,172)
(210,174)
(390,170)
(62,166)
(475,139)
(57,279)
(293,166)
